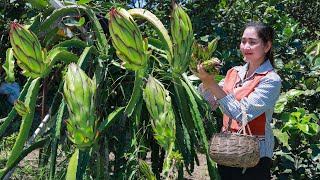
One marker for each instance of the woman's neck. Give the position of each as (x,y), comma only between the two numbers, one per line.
(252,68)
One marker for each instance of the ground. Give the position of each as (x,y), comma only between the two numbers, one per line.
(29,164)
(201,171)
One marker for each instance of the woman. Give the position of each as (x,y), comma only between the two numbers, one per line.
(256,86)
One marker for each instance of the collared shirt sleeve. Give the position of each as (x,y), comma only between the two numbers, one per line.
(261,100)
(209,97)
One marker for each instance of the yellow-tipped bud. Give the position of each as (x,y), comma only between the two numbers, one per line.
(79,92)
(158,103)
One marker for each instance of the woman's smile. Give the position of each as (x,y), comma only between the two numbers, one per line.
(247,53)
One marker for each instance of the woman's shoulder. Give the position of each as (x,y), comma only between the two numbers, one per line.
(235,69)
(272,76)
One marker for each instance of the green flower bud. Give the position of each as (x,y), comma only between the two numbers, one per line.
(27,50)
(158,103)
(79,92)
(127,40)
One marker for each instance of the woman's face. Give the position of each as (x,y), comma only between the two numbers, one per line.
(252,47)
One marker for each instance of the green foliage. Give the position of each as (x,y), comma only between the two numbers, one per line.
(297,129)
(297,155)
(39,4)
(227,19)
(305,12)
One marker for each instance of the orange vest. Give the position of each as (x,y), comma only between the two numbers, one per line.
(257,125)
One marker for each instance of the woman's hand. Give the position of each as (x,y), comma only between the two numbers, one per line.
(202,74)
(209,82)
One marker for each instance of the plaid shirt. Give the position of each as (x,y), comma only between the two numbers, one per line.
(261,100)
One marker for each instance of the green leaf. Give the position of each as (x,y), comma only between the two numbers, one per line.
(304,128)
(34,22)
(111,118)
(317,62)
(72,166)
(283,137)
(205,38)
(8,66)
(39,4)
(315,151)
(218,78)
(295,115)
(72,43)
(13,112)
(156,45)
(302,111)
(145,170)
(287,127)
(293,93)
(61,54)
(81,21)
(196,116)
(313,116)
(309,92)
(136,93)
(305,119)
(313,48)
(288,157)
(194,91)
(56,137)
(314,128)
(285,116)
(287,32)
(290,124)
(83,2)
(280,104)
(279,107)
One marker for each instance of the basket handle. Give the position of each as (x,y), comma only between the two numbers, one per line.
(244,122)
(229,125)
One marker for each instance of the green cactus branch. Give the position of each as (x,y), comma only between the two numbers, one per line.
(13,111)
(25,125)
(60,53)
(158,26)
(55,138)
(72,43)
(110,119)
(137,91)
(40,143)
(74,11)
(200,128)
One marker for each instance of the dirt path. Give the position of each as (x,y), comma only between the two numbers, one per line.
(30,162)
(201,171)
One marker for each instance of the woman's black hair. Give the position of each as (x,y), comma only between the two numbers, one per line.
(266,33)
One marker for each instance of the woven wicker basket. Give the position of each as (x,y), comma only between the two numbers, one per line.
(235,149)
